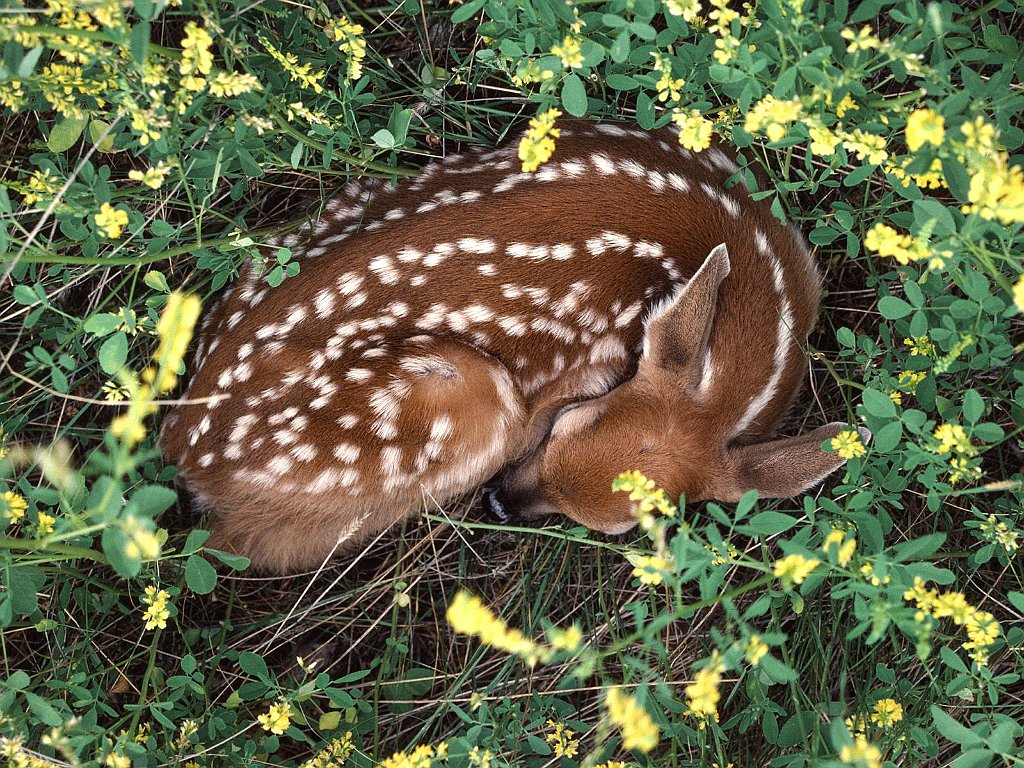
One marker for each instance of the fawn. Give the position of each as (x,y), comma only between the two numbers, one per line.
(618,309)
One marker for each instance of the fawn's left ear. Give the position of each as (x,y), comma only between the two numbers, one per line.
(791,465)
(676,332)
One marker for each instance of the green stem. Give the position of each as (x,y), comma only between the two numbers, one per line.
(144,688)
(62,551)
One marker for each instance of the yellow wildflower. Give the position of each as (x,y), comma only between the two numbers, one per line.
(277,719)
(638,730)
(1018,293)
(110,220)
(668,86)
(352,44)
(117,760)
(230,84)
(14,506)
(481,758)
(887,712)
(980,135)
(569,52)
(843,548)
(862,754)
(867,146)
(304,74)
(174,328)
(996,190)
(755,649)
(925,126)
(154,177)
(468,615)
(45,524)
(1000,533)
(920,345)
(848,444)
(847,104)
(793,569)
(196,58)
(565,639)
(862,40)
(157,613)
(421,757)
(823,140)
(702,695)
(981,626)
(953,438)
(528,71)
(650,568)
(42,186)
(645,491)
(688,9)
(694,129)
(538,142)
(561,740)
(770,117)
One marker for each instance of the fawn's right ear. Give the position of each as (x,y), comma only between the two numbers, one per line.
(788,466)
(676,332)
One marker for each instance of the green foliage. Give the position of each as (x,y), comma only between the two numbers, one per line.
(153,148)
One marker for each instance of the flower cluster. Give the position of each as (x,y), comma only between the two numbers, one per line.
(668,86)
(771,117)
(650,569)
(334,754)
(468,615)
(157,612)
(421,756)
(643,490)
(303,74)
(951,440)
(1000,533)
(837,545)
(848,444)
(907,383)
(562,740)
(981,626)
(528,71)
(694,129)
(793,569)
(277,718)
(153,177)
(754,650)
(538,142)
(905,248)
(111,220)
(862,753)
(12,507)
(569,51)
(352,44)
(702,695)
(196,57)
(41,187)
(638,729)
(688,9)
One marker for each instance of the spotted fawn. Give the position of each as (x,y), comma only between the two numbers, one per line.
(620,308)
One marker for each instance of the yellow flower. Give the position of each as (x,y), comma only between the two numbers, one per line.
(14,506)
(114,393)
(846,105)
(156,614)
(793,569)
(529,71)
(42,186)
(925,126)
(755,650)
(277,719)
(848,444)
(45,524)
(996,190)
(638,730)
(770,117)
(1000,533)
(688,9)
(953,439)
(650,568)
(304,74)
(569,52)
(702,695)
(905,248)
(887,713)
(668,86)
(823,140)
(174,328)
(694,129)
(920,345)
(110,220)
(538,143)
(981,626)
(980,135)
(154,177)
(644,490)
(333,755)
(196,58)
(229,84)
(561,740)
(468,615)
(862,40)
(844,548)
(420,757)
(862,754)
(481,758)
(352,44)
(117,760)
(565,639)
(1018,293)
(867,146)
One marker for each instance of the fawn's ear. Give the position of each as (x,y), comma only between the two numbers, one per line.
(676,331)
(791,465)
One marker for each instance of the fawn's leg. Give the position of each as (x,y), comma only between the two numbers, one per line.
(424,420)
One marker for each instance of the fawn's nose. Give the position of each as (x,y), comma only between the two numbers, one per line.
(496,502)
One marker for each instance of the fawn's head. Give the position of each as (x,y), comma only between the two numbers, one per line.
(660,422)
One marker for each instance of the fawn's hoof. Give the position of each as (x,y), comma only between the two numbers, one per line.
(494,502)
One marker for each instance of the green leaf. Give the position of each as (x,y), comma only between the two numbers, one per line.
(466,11)
(195,541)
(100,135)
(878,404)
(574,96)
(151,500)
(253,664)
(41,708)
(200,576)
(888,437)
(114,353)
(65,134)
(974,758)
(893,308)
(330,720)
(953,731)
(769,523)
(156,281)
(974,406)
(237,562)
(138,42)
(25,295)
(102,325)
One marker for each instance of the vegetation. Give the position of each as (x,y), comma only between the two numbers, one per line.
(151,146)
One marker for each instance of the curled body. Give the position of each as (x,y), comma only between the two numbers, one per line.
(618,309)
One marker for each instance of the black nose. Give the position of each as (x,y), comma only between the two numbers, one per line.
(495,502)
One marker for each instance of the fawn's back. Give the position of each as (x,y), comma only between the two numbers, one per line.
(562,326)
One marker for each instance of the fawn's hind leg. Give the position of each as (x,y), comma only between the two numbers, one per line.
(427,419)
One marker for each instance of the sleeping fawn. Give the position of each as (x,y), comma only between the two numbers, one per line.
(618,309)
